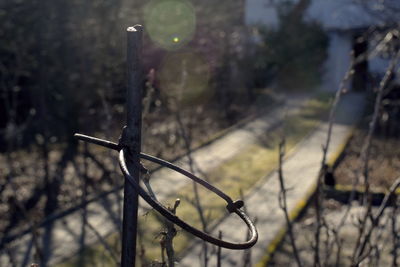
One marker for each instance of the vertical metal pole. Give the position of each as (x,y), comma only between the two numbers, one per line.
(132,137)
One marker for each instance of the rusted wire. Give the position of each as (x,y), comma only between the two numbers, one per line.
(232,206)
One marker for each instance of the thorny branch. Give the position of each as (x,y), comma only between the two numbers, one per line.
(375,219)
(318,197)
(318,193)
(186,135)
(365,152)
(167,236)
(283,204)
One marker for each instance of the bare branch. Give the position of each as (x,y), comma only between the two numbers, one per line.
(318,198)
(283,204)
(376,218)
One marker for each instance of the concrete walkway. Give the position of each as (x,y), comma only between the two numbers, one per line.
(65,235)
(300,173)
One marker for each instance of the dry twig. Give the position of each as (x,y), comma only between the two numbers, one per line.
(283,204)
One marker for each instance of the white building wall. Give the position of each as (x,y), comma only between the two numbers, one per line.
(263,12)
(378,65)
(339,14)
(338,18)
(260,12)
(338,61)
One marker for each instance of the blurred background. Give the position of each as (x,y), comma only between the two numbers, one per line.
(207,65)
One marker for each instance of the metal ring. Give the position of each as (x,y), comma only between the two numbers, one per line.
(232,206)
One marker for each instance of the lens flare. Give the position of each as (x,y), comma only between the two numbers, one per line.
(184,76)
(170,23)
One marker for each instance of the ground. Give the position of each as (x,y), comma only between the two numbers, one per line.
(384,162)
(304,231)
(384,169)
(101,167)
(22,191)
(250,162)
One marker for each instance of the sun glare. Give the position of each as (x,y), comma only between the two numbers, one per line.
(170,20)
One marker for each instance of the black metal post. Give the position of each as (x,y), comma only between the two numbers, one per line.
(131,138)
(129,147)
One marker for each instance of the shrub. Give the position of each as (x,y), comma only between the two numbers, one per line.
(292,54)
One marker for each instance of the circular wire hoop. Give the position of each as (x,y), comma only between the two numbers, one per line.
(232,206)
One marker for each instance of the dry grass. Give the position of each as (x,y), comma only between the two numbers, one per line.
(384,162)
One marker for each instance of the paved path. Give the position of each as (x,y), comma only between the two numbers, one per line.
(65,235)
(300,173)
